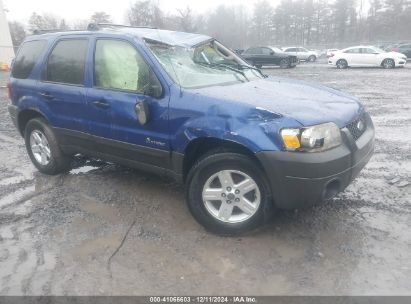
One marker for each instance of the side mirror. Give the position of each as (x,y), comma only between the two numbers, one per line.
(272,53)
(143,111)
(376,53)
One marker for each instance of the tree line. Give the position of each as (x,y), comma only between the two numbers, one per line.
(313,23)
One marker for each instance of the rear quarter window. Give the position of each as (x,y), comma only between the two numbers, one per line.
(27,58)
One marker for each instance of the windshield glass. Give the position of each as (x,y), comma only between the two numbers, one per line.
(378,50)
(277,50)
(209,64)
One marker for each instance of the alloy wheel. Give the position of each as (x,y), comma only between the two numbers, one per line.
(40,147)
(342,64)
(389,63)
(231,196)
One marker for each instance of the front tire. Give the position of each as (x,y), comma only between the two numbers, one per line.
(228,194)
(388,63)
(43,148)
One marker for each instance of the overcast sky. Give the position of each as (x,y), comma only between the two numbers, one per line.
(82,9)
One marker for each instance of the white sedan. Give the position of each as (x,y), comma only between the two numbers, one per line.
(367,56)
(301,53)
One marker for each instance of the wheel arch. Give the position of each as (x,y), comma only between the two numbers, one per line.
(25,116)
(199,147)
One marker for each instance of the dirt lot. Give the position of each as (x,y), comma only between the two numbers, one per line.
(107,230)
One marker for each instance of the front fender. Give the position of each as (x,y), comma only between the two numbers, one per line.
(255,128)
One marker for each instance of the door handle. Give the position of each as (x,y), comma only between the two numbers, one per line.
(101,104)
(47,96)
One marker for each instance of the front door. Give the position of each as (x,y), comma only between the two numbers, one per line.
(123,86)
(370,57)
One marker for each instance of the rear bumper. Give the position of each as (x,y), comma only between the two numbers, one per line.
(13,111)
(302,179)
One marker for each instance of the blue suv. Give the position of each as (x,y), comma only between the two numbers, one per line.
(186,106)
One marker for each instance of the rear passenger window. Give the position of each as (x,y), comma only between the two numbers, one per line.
(353,51)
(66,62)
(27,57)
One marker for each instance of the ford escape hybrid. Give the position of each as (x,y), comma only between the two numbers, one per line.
(186,106)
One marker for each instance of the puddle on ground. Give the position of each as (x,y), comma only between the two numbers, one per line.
(84,169)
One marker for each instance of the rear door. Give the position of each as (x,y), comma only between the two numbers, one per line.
(268,56)
(254,55)
(293,51)
(122,79)
(353,56)
(62,84)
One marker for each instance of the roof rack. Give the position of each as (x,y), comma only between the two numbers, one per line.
(98,26)
(41,31)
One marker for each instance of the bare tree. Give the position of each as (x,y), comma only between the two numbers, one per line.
(100,17)
(320,23)
(17,33)
(45,22)
(185,19)
(145,13)
(262,23)
(80,24)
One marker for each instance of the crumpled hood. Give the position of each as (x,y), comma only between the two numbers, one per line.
(307,103)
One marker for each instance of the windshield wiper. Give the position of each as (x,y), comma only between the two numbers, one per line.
(249,67)
(224,66)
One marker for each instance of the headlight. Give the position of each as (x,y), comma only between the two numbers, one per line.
(312,139)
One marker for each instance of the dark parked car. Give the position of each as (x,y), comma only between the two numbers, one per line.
(259,56)
(186,106)
(403,48)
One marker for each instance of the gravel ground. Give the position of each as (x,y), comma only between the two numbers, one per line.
(107,230)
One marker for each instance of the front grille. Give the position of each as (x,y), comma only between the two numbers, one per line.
(357,127)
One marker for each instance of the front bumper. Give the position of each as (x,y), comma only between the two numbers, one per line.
(400,62)
(302,179)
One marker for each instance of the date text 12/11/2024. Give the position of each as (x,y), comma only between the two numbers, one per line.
(204,299)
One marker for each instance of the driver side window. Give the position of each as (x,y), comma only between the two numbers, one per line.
(367,51)
(119,66)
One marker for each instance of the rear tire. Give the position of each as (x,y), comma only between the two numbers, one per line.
(388,63)
(258,66)
(43,148)
(230,208)
(342,64)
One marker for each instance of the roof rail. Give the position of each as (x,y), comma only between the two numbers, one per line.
(98,26)
(41,31)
